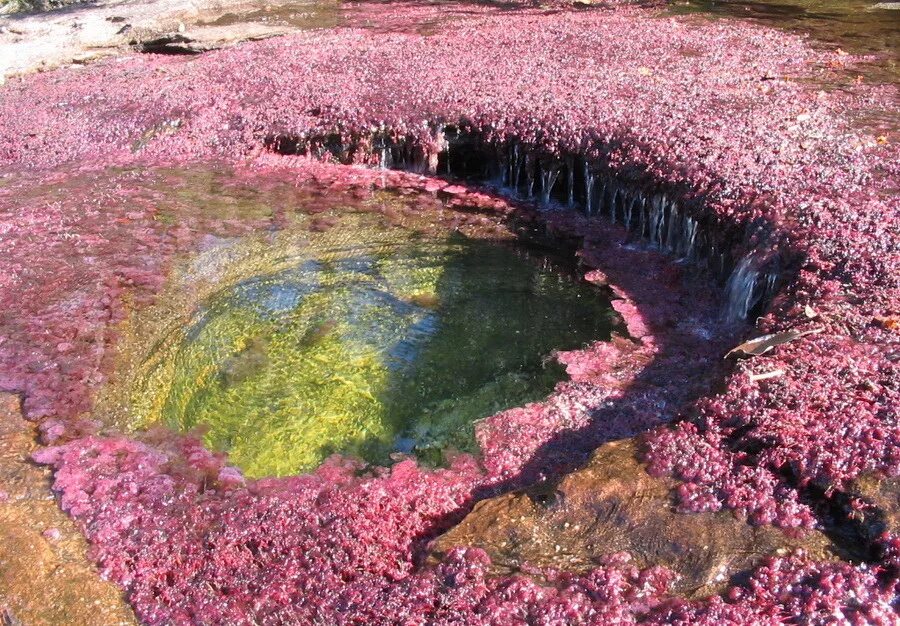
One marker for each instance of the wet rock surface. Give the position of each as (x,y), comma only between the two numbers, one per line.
(45,578)
(874,502)
(612,506)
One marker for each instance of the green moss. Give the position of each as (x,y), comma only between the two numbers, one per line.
(362,339)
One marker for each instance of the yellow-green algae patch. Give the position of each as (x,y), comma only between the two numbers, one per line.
(366,339)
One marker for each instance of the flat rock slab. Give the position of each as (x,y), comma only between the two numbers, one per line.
(45,577)
(85,32)
(613,505)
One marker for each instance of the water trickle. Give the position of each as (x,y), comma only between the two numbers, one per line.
(672,227)
(589,184)
(741,293)
(618,205)
(516,167)
(656,219)
(630,203)
(771,283)
(549,175)
(688,238)
(642,216)
(602,199)
(529,174)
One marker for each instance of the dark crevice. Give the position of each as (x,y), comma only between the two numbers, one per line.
(168,44)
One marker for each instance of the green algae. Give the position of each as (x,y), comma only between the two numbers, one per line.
(368,329)
(369,342)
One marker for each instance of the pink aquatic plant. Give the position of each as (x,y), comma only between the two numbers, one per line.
(634,117)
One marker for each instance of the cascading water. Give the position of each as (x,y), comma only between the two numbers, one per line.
(741,293)
(688,237)
(656,219)
(530,166)
(589,182)
(549,176)
(652,216)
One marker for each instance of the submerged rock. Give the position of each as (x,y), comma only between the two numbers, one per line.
(45,577)
(874,502)
(612,506)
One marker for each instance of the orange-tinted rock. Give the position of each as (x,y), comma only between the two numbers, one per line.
(45,578)
(613,505)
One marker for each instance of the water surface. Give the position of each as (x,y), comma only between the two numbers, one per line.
(344,329)
(864,27)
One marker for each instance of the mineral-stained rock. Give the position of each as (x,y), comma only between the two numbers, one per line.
(613,505)
(45,578)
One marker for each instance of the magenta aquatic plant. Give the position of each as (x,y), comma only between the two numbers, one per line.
(708,140)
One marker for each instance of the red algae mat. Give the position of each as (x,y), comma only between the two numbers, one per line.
(719,119)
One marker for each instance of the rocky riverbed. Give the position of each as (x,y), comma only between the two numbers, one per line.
(697,170)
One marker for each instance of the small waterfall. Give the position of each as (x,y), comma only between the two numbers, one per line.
(741,293)
(627,204)
(656,218)
(620,201)
(642,215)
(442,144)
(529,174)
(630,209)
(383,146)
(503,162)
(688,237)
(589,180)
(770,283)
(672,228)
(601,197)
(515,167)
(549,175)
(613,200)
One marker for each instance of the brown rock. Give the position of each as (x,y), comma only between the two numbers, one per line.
(45,578)
(613,505)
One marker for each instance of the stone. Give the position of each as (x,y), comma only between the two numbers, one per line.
(87,32)
(45,577)
(612,506)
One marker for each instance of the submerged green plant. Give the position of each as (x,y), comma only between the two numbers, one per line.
(361,340)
